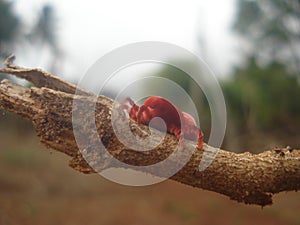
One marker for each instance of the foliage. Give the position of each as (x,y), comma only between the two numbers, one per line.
(9,25)
(264,97)
(265,93)
(272,28)
(14,31)
(9,29)
(43,31)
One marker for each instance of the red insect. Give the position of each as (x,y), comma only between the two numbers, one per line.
(157,106)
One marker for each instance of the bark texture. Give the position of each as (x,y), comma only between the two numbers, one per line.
(248,178)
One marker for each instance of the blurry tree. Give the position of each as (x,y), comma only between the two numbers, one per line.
(264,93)
(263,97)
(12,31)
(272,28)
(44,34)
(43,31)
(9,29)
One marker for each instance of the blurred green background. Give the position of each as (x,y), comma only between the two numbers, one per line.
(262,94)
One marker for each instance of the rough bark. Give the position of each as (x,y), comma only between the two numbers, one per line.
(248,178)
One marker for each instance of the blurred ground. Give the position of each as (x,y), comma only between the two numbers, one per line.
(37,187)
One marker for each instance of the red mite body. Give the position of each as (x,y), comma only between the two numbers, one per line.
(157,106)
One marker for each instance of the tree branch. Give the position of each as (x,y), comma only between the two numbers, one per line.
(246,177)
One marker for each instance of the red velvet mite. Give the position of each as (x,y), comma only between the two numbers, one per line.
(157,106)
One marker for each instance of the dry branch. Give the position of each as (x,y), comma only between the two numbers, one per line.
(246,177)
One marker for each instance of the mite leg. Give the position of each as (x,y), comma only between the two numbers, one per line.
(131,109)
(179,135)
(125,106)
(144,115)
(129,100)
(200,140)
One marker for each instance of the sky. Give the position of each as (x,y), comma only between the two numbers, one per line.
(89,29)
